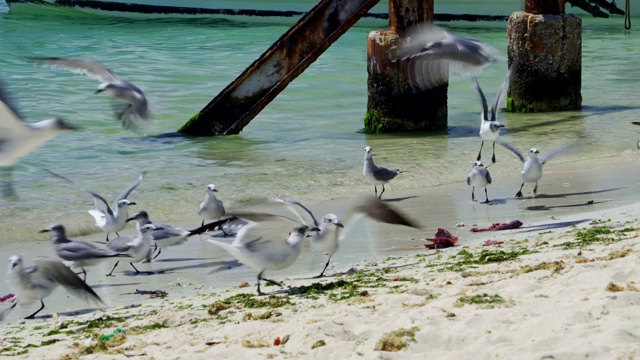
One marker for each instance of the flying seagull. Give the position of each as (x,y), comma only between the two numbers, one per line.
(434,54)
(19,138)
(36,282)
(107,218)
(136,112)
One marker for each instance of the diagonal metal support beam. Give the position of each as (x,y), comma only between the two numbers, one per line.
(233,108)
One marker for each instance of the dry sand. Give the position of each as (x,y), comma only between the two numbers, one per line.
(564,293)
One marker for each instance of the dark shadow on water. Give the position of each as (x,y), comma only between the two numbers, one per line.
(549,226)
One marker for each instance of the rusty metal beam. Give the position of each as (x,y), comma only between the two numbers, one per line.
(233,108)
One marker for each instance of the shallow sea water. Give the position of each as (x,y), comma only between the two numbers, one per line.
(305,144)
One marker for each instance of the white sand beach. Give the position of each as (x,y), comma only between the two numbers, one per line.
(547,292)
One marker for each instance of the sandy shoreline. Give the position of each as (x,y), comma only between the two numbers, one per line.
(561,294)
(547,292)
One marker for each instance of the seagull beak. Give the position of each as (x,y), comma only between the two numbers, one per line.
(129,219)
(316,229)
(99,91)
(43,231)
(66,126)
(339,224)
(215,190)
(132,203)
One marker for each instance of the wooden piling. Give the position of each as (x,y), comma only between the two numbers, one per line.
(393,104)
(545,55)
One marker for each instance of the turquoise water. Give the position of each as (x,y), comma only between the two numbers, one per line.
(305,144)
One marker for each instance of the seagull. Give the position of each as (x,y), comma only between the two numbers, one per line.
(80,253)
(479,176)
(136,112)
(533,164)
(137,247)
(109,219)
(36,282)
(164,235)
(489,126)
(211,208)
(331,231)
(19,138)
(265,253)
(376,175)
(434,54)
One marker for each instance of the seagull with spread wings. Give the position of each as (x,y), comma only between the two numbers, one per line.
(489,125)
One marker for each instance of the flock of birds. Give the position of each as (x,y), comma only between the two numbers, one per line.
(434,56)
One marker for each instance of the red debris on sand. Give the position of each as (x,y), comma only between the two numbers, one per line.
(493,242)
(7,297)
(500,226)
(443,239)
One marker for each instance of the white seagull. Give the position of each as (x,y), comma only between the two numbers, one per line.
(136,112)
(376,175)
(479,176)
(533,164)
(137,247)
(489,125)
(332,231)
(109,219)
(77,252)
(211,208)
(19,138)
(34,283)
(164,235)
(435,54)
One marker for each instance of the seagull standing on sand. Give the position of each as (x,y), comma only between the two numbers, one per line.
(434,55)
(136,112)
(479,176)
(137,248)
(489,126)
(330,235)
(211,208)
(164,235)
(109,219)
(80,253)
(533,164)
(36,282)
(376,175)
(18,138)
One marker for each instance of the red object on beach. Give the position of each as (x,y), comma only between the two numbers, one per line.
(500,226)
(493,242)
(443,239)
(7,297)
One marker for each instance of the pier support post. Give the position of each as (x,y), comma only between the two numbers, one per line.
(393,105)
(545,55)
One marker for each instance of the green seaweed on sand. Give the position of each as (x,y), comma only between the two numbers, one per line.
(396,340)
(250,301)
(485,300)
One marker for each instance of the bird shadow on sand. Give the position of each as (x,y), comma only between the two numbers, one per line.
(102,286)
(225,265)
(68,313)
(179,259)
(546,208)
(398,199)
(563,195)
(549,226)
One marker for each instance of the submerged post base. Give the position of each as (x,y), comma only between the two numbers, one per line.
(545,55)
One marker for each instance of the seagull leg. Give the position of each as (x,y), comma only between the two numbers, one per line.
(84,272)
(486,196)
(260,278)
(535,189)
(323,270)
(114,267)
(37,311)
(382,192)
(117,234)
(473,196)
(202,223)
(107,237)
(158,254)
(375,188)
(480,152)
(493,158)
(519,194)
(134,268)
